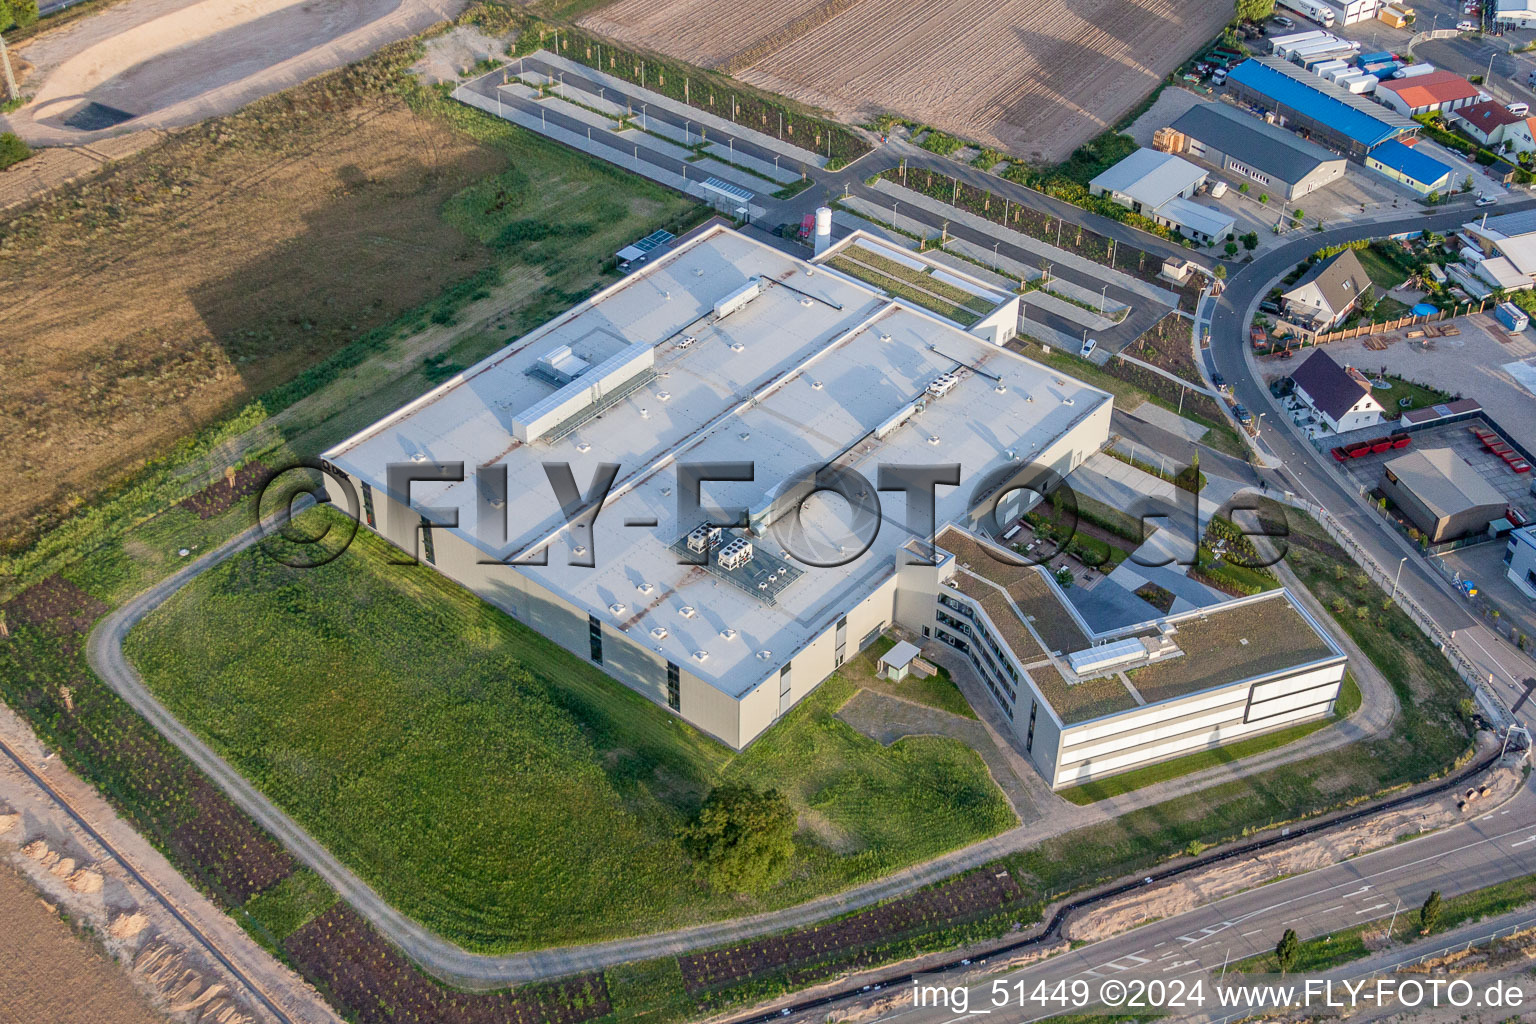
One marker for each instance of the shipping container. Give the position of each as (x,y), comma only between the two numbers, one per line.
(1511,316)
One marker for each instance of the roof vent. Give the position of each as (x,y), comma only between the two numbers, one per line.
(701,656)
(746,435)
(579,549)
(1000,388)
(618,607)
(885,338)
(1068,401)
(583,446)
(418,456)
(645,588)
(687,611)
(662,396)
(498,503)
(698,271)
(645,413)
(933,438)
(728,633)
(806,302)
(1029,398)
(816,385)
(659,633)
(737,346)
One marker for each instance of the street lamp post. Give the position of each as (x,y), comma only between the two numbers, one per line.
(1398,577)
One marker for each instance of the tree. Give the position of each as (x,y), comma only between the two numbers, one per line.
(1231,248)
(1367,300)
(1251,241)
(1429,913)
(1254,10)
(1221,271)
(743,839)
(17,13)
(1287,950)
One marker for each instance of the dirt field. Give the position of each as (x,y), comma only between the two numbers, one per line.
(1033,77)
(160,63)
(191,277)
(183,281)
(48,974)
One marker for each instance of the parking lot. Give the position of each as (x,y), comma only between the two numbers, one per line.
(1365,472)
(1475,364)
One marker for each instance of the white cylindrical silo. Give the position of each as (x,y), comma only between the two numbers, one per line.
(823,228)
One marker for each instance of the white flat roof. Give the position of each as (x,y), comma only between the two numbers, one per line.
(1149,177)
(799,377)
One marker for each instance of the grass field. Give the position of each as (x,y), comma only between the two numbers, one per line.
(231,261)
(439,748)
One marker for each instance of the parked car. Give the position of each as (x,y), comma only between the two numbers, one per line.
(1283,21)
(1088,347)
(1466,26)
(1220,382)
(1243,415)
(1483,200)
(1218,190)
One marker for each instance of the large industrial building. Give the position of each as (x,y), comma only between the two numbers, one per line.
(1316,107)
(1281,162)
(724,350)
(1159,186)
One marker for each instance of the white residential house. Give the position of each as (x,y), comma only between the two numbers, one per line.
(1339,396)
(1520,557)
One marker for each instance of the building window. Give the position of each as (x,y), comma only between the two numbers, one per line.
(927,631)
(426,541)
(674,687)
(368,506)
(842,642)
(784,681)
(595,638)
(1029,738)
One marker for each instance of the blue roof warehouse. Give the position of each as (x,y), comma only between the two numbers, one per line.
(1317,108)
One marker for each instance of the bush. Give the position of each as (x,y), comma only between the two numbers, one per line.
(944,145)
(12,149)
(743,838)
(17,14)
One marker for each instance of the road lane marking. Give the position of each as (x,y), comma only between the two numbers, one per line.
(1368,910)
(1523,842)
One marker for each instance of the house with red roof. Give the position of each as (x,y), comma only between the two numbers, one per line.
(1422,94)
(1486,122)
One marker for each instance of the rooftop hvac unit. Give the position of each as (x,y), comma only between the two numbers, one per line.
(738,298)
(942,384)
(735,554)
(702,536)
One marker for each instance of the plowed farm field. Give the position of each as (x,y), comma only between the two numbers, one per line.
(1036,78)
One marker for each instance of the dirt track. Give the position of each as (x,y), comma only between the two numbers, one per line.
(151,64)
(1034,77)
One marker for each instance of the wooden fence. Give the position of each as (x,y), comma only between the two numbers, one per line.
(1301,336)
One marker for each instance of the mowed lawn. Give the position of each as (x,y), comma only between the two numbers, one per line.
(499,790)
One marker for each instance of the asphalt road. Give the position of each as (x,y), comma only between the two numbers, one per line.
(1195,945)
(1301,468)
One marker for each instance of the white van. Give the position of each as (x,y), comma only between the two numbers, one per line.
(1218,190)
(1518,109)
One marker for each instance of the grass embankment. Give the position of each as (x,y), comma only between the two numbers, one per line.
(438,747)
(1347,945)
